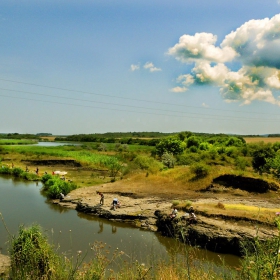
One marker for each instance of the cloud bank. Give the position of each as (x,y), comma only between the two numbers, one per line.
(255,46)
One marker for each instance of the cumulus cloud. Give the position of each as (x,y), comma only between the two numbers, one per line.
(134,67)
(150,66)
(255,46)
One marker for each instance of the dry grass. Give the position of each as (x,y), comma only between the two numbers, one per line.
(261,139)
(239,210)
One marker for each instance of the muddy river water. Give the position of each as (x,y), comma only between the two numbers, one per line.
(21,203)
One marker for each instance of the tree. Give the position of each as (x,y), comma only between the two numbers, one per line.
(171,145)
(193,141)
(261,158)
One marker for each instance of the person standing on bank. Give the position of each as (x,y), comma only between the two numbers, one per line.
(101,202)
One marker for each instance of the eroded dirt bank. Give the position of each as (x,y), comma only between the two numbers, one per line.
(215,233)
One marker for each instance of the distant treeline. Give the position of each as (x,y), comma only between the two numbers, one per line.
(143,138)
(18,136)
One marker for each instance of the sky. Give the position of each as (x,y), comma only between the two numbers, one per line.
(81,67)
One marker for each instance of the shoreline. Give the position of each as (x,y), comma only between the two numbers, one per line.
(220,234)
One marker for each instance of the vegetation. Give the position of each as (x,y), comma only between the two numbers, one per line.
(54,186)
(33,258)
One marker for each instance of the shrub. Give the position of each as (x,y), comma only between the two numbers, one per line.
(5,170)
(17,171)
(54,186)
(171,145)
(45,178)
(148,163)
(102,147)
(168,160)
(241,163)
(204,146)
(200,170)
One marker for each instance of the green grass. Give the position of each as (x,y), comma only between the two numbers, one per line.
(17,142)
(83,156)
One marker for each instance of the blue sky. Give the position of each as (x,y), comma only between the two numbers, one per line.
(70,67)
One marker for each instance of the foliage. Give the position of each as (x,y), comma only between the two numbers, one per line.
(168,160)
(241,163)
(148,163)
(273,164)
(193,141)
(102,147)
(200,170)
(204,146)
(53,186)
(31,254)
(171,145)
(261,156)
(261,258)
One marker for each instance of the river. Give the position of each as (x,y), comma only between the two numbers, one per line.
(21,203)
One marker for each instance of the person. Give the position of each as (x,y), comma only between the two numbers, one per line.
(174,213)
(26,169)
(37,170)
(115,203)
(101,202)
(61,196)
(192,218)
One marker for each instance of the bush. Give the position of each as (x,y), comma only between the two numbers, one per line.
(241,163)
(54,186)
(200,170)
(5,170)
(148,163)
(45,178)
(168,160)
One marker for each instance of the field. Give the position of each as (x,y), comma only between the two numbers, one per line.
(261,139)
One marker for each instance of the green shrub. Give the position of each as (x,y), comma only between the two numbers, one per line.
(241,163)
(148,163)
(17,171)
(54,186)
(168,160)
(5,170)
(45,178)
(200,170)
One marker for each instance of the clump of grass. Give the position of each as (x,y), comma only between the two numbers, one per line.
(221,206)
(188,203)
(175,203)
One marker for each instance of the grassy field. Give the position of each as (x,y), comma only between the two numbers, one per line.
(261,139)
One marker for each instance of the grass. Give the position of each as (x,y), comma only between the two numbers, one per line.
(17,142)
(262,214)
(33,258)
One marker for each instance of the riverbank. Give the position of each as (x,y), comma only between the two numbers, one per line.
(218,233)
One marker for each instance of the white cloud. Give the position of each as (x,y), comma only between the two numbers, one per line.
(150,66)
(200,47)
(205,105)
(179,89)
(134,67)
(255,44)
